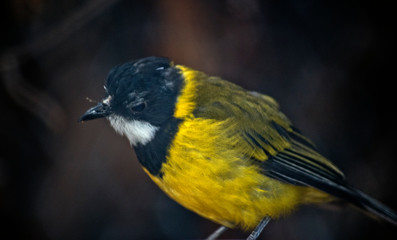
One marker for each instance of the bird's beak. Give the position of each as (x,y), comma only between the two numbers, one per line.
(99,111)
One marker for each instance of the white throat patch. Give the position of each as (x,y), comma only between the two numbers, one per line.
(136,131)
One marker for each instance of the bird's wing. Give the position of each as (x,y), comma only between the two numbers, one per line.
(269,139)
(267,136)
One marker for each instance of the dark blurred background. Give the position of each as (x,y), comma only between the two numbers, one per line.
(330,65)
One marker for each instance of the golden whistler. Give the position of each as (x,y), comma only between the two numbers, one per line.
(226,153)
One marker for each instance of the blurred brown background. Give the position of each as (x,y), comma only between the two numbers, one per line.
(330,65)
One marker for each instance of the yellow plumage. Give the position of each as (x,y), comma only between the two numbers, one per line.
(221,151)
(208,172)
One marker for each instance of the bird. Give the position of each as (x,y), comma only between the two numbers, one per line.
(226,153)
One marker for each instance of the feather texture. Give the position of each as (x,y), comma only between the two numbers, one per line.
(257,149)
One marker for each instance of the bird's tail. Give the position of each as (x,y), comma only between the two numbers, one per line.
(367,203)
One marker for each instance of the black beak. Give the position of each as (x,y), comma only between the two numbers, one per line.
(99,111)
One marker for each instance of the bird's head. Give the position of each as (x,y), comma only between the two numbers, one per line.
(140,97)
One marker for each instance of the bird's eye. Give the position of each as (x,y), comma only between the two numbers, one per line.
(138,108)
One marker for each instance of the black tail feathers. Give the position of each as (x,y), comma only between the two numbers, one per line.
(367,203)
(301,172)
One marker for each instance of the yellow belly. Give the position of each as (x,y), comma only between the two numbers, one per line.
(207,173)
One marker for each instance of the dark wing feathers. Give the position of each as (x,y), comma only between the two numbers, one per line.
(289,156)
(295,167)
(299,163)
(259,122)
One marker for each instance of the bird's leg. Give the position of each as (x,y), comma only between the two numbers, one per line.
(217,233)
(258,229)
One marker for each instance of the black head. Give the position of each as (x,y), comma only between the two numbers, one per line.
(143,90)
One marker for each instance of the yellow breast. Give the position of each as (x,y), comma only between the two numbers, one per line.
(208,170)
(205,174)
